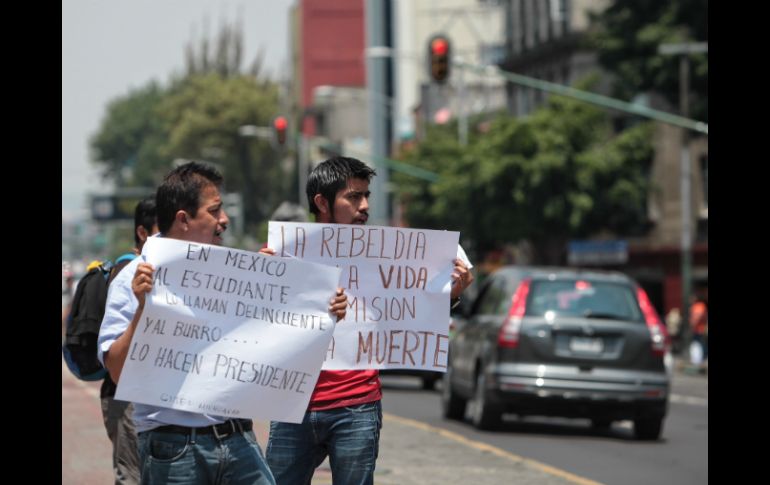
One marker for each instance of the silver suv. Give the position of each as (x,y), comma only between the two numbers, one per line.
(559,342)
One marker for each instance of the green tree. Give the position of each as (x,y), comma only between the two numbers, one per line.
(627,37)
(127,145)
(556,175)
(197,116)
(203,117)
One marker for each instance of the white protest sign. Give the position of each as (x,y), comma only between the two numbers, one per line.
(397,281)
(236,333)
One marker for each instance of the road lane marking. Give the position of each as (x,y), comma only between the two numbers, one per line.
(695,401)
(492,449)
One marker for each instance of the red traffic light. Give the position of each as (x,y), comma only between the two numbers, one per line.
(279,125)
(439,46)
(438,56)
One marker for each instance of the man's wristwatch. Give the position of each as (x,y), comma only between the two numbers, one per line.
(454,302)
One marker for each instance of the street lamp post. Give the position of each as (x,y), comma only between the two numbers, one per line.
(683,50)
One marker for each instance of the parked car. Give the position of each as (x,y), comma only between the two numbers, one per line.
(559,342)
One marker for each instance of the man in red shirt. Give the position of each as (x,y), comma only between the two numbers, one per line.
(344,416)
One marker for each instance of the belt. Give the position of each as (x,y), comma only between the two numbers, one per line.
(221,430)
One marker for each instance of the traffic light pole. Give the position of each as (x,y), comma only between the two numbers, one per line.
(588,97)
(685,189)
(683,50)
(302,170)
(462,112)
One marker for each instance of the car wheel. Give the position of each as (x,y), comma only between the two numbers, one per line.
(602,424)
(485,415)
(648,428)
(429,383)
(452,405)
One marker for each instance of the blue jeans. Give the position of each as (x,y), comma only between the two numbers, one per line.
(202,459)
(350,436)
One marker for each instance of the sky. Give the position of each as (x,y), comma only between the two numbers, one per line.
(110,47)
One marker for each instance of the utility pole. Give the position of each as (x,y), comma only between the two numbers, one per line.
(462,108)
(302,169)
(378,54)
(683,50)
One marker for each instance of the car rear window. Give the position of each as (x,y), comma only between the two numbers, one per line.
(583,298)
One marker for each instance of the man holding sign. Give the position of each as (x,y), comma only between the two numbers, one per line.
(174,445)
(344,416)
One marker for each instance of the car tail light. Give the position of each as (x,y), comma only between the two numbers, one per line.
(660,339)
(508,337)
(582,285)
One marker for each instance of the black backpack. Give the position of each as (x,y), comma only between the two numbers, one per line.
(85,318)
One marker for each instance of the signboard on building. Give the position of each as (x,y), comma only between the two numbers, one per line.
(118,206)
(590,253)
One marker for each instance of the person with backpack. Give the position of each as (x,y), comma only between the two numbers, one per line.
(117,414)
(83,320)
(180,446)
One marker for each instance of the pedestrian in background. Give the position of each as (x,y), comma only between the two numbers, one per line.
(674,327)
(67,290)
(699,319)
(117,414)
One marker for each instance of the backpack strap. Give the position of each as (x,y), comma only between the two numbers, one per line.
(120,263)
(125,257)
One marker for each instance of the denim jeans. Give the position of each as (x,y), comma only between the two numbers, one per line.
(120,430)
(202,459)
(350,436)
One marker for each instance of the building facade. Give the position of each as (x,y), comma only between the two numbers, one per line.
(543,41)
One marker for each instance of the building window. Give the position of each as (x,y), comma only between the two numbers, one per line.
(491,53)
(704,171)
(563,8)
(527,23)
(558,10)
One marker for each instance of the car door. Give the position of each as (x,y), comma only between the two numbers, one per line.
(480,335)
(464,342)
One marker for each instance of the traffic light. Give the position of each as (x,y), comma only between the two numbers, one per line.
(438,54)
(279,126)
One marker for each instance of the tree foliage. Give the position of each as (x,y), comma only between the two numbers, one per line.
(557,175)
(197,116)
(202,118)
(126,146)
(627,37)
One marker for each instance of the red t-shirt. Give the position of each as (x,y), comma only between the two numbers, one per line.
(339,388)
(698,318)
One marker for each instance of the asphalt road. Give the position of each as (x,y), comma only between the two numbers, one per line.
(611,457)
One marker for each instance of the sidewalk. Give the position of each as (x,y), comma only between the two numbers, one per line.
(86,452)
(414,453)
(411,452)
(683,366)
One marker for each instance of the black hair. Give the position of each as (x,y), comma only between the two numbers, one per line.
(331,176)
(144,216)
(181,190)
